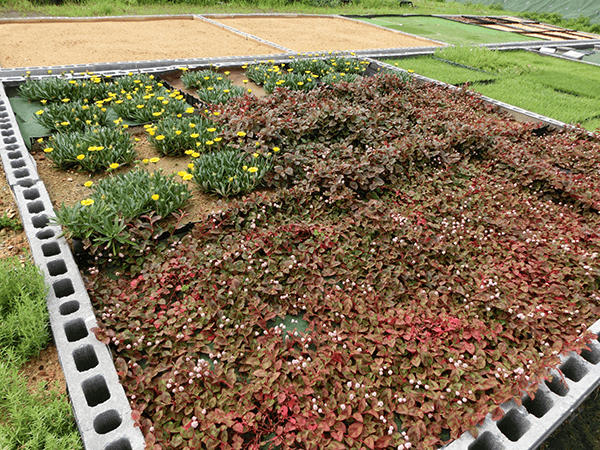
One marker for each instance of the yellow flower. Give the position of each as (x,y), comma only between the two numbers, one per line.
(244,81)
(190,110)
(209,142)
(40,140)
(244,167)
(139,106)
(87,202)
(64,124)
(177,132)
(155,197)
(157,113)
(48,150)
(194,135)
(192,125)
(191,165)
(410,71)
(189,152)
(216,113)
(114,165)
(195,155)
(241,133)
(154,160)
(211,130)
(252,169)
(43,102)
(227,73)
(160,137)
(88,183)
(255,155)
(80,157)
(40,112)
(181,173)
(276,149)
(249,91)
(125,126)
(230,179)
(188,176)
(136,139)
(145,161)
(217,139)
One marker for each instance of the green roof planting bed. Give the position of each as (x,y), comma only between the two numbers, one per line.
(446,30)
(564,90)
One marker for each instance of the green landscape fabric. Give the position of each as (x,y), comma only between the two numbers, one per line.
(569,9)
(25,114)
(447,31)
(595,58)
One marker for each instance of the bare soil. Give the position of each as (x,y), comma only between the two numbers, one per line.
(51,42)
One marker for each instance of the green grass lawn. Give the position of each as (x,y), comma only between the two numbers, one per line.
(447,31)
(564,90)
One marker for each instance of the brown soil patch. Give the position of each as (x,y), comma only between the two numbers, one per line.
(50,43)
(306,34)
(45,367)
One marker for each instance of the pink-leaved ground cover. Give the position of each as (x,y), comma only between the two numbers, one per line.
(414,260)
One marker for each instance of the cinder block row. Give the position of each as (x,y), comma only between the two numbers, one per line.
(19,166)
(526,427)
(98,400)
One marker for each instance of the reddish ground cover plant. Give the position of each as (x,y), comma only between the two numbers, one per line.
(418,261)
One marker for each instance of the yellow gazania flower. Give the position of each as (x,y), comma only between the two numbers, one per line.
(255,155)
(155,197)
(188,176)
(65,100)
(114,166)
(48,150)
(195,155)
(227,73)
(209,142)
(160,137)
(91,148)
(300,83)
(154,160)
(145,160)
(136,139)
(410,71)
(165,102)
(211,130)
(194,135)
(100,147)
(216,113)
(139,106)
(125,126)
(241,133)
(190,110)
(244,81)
(191,165)
(157,113)
(44,101)
(226,91)
(181,173)
(64,124)
(88,183)
(40,140)
(192,125)
(177,132)
(252,169)
(189,152)
(87,202)
(244,168)
(230,179)
(217,139)
(276,149)
(40,112)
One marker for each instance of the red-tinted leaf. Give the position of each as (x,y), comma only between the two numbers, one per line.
(238,427)
(369,442)
(355,430)
(497,413)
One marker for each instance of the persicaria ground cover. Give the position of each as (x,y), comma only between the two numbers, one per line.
(416,260)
